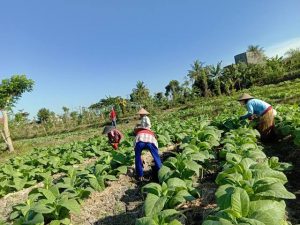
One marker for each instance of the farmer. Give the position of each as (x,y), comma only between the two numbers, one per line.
(261,109)
(145,121)
(145,139)
(113,117)
(114,136)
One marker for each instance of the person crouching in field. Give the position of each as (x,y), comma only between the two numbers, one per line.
(145,139)
(262,110)
(114,136)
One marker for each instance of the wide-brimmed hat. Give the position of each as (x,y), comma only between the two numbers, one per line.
(245,96)
(108,129)
(142,111)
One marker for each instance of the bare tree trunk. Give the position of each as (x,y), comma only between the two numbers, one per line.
(5,132)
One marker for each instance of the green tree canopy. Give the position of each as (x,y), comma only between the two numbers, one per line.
(11,90)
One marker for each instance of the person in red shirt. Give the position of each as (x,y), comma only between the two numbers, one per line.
(113,117)
(114,136)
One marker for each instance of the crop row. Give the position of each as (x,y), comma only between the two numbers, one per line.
(251,186)
(53,203)
(25,171)
(179,174)
(288,122)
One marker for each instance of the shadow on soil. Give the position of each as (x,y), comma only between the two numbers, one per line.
(134,209)
(133,200)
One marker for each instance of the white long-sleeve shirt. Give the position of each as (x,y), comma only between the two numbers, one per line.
(145,122)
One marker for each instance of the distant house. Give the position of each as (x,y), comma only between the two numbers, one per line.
(249,58)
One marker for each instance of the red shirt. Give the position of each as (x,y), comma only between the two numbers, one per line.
(113,114)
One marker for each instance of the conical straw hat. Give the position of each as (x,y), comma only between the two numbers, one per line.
(142,111)
(107,129)
(245,96)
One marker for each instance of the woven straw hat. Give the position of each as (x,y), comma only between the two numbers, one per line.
(108,129)
(142,111)
(245,96)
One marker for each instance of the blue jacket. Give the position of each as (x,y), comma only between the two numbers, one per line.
(255,107)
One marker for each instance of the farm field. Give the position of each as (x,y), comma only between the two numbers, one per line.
(149,112)
(215,171)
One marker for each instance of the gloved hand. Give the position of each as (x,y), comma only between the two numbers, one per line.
(115,145)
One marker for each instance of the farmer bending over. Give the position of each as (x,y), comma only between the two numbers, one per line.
(145,139)
(114,136)
(261,109)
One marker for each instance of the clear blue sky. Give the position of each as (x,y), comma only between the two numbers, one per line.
(80,51)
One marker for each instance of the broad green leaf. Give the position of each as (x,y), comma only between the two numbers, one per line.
(233,158)
(18,183)
(71,204)
(110,177)
(168,213)
(269,188)
(175,222)
(247,221)
(180,197)
(95,184)
(234,198)
(218,221)
(262,173)
(176,183)
(55,222)
(145,221)
(192,165)
(154,204)
(240,201)
(268,212)
(153,188)
(164,173)
(35,219)
(48,194)
(122,169)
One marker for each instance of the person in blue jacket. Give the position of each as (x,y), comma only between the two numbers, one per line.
(263,110)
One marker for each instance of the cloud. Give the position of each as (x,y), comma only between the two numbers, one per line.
(281,48)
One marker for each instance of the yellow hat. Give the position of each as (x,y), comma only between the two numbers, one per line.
(245,96)
(142,111)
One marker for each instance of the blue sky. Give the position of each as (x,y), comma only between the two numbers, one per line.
(81,51)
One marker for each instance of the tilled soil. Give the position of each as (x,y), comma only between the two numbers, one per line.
(120,203)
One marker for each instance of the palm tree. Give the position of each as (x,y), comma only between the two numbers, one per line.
(215,71)
(194,73)
(198,76)
(256,50)
(140,94)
